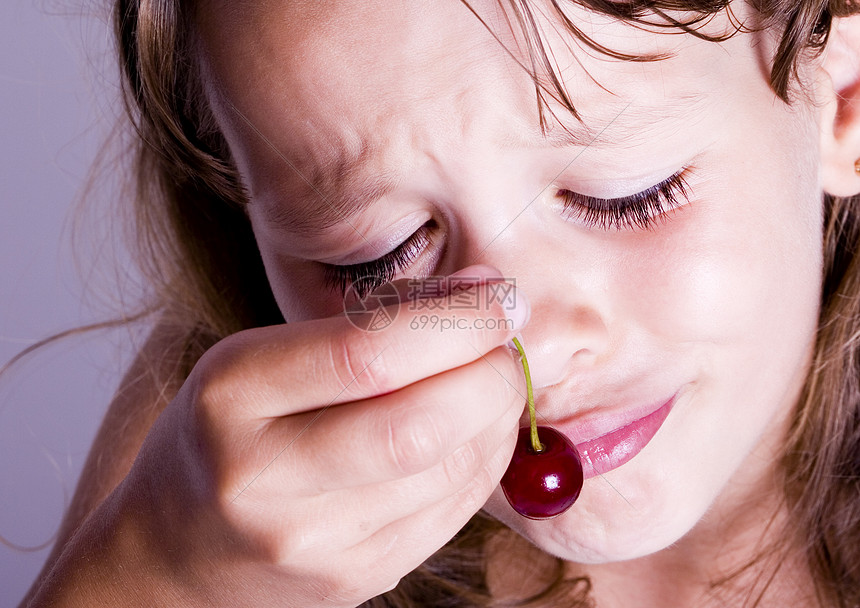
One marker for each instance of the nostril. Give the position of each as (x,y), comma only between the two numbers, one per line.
(584,357)
(562,349)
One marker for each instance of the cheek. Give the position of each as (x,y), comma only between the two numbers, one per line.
(722,288)
(298,287)
(728,296)
(744,261)
(740,267)
(732,293)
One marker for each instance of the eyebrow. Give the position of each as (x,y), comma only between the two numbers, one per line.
(342,202)
(329,199)
(332,192)
(341,190)
(609,131)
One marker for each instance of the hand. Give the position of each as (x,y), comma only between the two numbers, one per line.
(316,463)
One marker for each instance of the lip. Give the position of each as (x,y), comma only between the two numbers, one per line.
(609,450)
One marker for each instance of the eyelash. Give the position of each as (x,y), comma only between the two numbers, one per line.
(637,211)
(367,276)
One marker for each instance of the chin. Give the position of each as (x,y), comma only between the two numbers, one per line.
(592,532)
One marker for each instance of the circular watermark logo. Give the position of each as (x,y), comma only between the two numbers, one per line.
(371,310)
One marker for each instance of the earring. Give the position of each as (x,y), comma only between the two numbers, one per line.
(857,166)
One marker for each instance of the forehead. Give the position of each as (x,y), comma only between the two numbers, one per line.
(340,70)
(323,85)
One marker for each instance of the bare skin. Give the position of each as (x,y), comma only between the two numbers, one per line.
(209,448)
(717,304)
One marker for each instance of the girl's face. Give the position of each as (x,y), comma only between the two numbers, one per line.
(410,116)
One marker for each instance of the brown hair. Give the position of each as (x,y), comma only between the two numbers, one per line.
(189,204)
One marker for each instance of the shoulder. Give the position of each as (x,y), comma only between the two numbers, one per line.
(151,382)
(155,376)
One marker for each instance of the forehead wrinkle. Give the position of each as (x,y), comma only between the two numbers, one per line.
(332,192)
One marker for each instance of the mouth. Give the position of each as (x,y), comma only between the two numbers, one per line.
(610,450)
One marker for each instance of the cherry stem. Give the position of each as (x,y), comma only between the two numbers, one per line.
(537,446)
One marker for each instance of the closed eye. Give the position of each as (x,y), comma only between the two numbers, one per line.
(642,210)
(363,278)
(637,211)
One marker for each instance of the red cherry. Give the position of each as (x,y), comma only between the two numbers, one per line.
(540,485)
(544,477)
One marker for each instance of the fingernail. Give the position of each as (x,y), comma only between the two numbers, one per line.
(478,272)
(517,309)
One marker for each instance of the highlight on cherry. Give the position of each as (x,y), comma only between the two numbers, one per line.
(544,477)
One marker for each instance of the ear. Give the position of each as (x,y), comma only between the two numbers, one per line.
(839,85)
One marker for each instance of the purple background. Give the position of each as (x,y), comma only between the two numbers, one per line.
(57,104)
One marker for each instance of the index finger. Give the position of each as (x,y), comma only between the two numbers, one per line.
(309,365)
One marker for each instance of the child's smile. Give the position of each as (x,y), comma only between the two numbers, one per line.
(682,272)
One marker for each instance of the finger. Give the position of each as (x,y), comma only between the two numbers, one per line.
(287,369)
(354,515)
(405,544)
(402,433)
(382,504)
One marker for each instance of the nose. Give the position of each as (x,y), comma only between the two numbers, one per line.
(567,333)
(570,292)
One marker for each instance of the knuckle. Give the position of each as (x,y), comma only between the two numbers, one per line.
(218,393)
(235,492)
(461,465)
(219,373)
(415,442)
(351,587)
(474,495)
(293,539)
(359,366)
(236,497)
(297,545)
